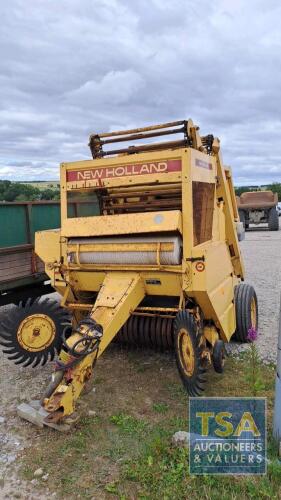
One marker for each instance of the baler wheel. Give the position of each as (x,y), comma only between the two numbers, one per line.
(219,356)
(188,352)
(32,334)
(246,306)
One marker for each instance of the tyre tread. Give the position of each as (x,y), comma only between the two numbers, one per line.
(243,294)
(273,220)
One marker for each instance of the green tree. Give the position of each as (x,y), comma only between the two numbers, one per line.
(19,191)
(276,188)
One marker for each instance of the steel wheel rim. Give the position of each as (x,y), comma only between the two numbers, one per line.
(186,352)
(253,313)
(36,332)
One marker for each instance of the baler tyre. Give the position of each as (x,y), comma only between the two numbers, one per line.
(219,356)
(273,220)
(33,333)
(188,352)
(246,307)
(242,218)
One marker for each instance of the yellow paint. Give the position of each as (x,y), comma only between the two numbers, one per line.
(186,350)
(111,314)
(47,244)
(209,270)
(253,313)
(211,334)
(107,225)
(121,247)
(36,332)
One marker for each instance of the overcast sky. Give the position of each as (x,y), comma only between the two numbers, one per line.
(69,68)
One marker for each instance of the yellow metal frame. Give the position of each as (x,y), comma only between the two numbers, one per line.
(208,273)
(119,295)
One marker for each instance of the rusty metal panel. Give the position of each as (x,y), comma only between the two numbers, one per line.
(20,262)
(257,200)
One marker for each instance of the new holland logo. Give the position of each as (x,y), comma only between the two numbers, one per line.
(160,167)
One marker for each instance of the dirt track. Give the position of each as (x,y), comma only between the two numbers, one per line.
(262,253)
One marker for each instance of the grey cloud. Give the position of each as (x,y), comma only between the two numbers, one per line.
(70,68)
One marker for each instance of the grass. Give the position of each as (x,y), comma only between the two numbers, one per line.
(160,407)
(125,451)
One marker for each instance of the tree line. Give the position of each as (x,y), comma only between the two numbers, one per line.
(18,191)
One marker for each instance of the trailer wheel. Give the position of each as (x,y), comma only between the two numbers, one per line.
(188,353)
(273,220)
(246,307)
(242,217)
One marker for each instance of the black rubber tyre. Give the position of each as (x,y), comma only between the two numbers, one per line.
(273,220)
(219,356)
(42,343)
(246,307)
(243,218)
(188,353)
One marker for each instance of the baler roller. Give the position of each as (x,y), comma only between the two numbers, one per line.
(164,250)
(150,331)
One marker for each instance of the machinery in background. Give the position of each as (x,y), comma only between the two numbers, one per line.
(22,273)
(154,261)
(259,207)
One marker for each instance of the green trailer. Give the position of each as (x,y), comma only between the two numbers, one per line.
(21,271)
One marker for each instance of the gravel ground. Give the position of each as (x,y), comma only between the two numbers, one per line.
(17,384)
(261,251)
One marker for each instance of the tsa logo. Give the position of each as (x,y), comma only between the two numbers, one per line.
(227,435)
